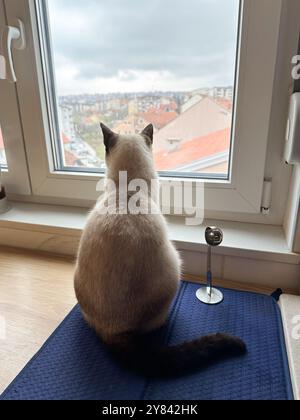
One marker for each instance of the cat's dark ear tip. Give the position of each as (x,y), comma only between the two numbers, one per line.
(106,130)
(109,137)
(148,132)
(150,128)
(103,126)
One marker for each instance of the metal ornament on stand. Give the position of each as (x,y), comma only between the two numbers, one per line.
(210,295)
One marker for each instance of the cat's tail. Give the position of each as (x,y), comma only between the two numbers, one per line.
(162,361)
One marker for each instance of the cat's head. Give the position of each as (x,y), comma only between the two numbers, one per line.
(113,141)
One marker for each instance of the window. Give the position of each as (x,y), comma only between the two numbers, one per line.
(129,75)
(214,119)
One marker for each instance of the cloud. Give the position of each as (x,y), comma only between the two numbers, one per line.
(121,40)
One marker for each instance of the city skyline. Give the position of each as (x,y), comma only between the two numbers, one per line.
(146,92)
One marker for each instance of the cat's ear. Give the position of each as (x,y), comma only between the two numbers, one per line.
(109,137)
(147,133)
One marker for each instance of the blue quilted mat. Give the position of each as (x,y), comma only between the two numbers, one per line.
(73,364)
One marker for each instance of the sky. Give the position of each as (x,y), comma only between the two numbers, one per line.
(104,46)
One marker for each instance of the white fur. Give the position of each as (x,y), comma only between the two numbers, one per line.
(127,271)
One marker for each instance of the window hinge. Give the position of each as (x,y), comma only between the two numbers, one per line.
(266,197)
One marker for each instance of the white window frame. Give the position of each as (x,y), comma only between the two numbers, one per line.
(15,177)
(261,25)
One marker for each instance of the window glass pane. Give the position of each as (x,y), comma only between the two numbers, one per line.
(3,162)
(129,63)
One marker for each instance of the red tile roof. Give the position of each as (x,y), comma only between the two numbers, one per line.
(194,150)
(158,117)
(167,107)
(65,138)
(224,103)
(201,119)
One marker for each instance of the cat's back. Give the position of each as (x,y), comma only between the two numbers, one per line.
(129,229)
(127,246)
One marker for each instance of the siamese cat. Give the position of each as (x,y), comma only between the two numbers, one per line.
(127,272)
